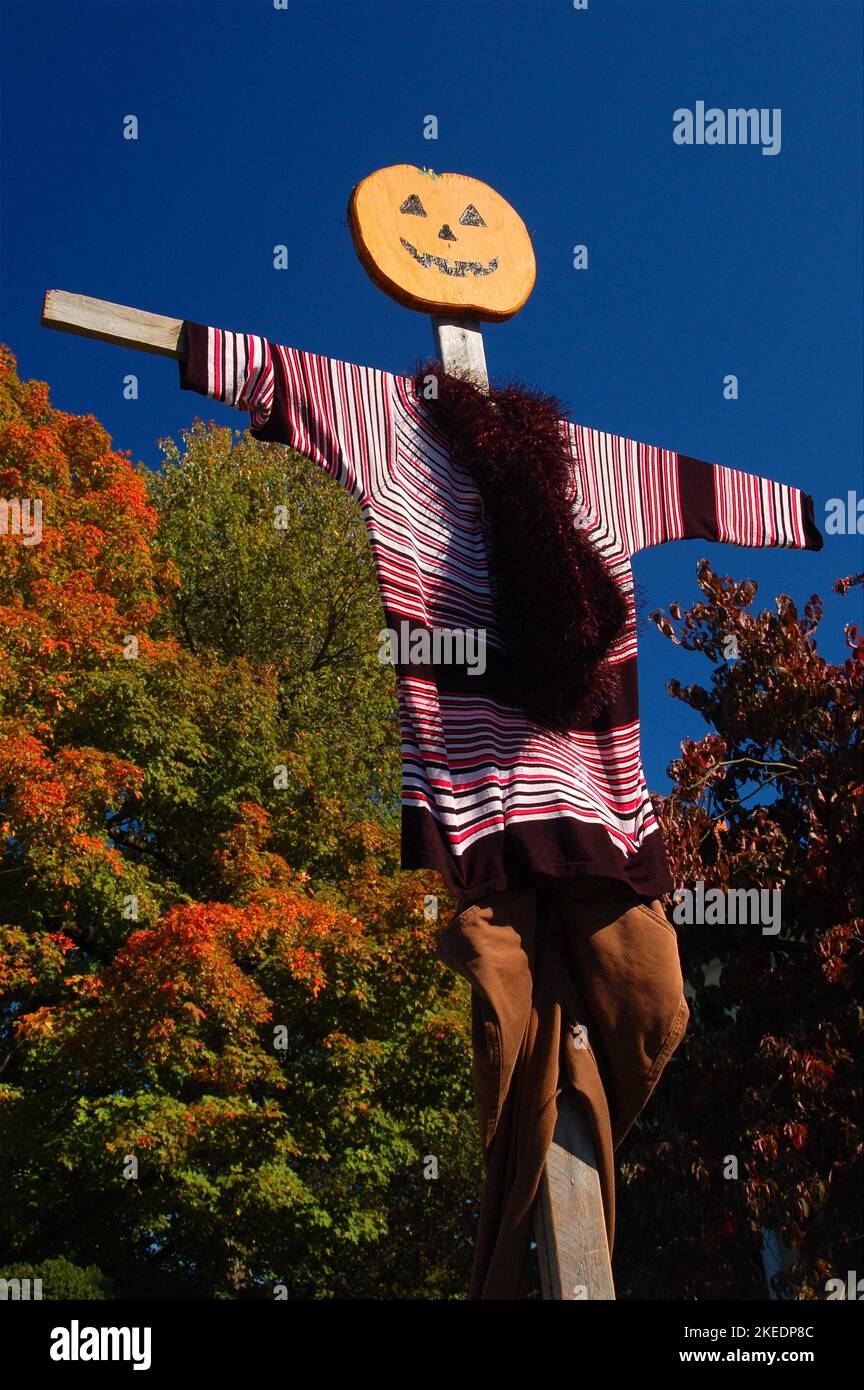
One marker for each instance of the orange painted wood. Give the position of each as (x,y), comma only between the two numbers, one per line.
(444,244)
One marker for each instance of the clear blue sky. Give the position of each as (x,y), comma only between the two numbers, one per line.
(256,123)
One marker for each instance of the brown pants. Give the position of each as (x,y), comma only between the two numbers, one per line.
(574,982)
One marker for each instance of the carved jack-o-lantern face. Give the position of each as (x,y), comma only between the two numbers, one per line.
(442,243)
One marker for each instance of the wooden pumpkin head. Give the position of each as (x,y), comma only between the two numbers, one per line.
(445,244)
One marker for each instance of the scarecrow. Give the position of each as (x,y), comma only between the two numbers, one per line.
(491,513)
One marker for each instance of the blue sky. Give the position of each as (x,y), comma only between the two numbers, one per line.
(255,124)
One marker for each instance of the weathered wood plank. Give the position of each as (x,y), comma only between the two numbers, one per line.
(112,323)
(568,1215)
(460,346)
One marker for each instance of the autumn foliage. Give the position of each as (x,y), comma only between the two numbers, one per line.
(226,1048)
(769,1074)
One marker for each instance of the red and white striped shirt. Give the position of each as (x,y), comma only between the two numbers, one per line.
(488,798)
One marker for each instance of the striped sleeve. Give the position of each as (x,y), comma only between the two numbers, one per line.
(235,368)
(335,413)
(657,495)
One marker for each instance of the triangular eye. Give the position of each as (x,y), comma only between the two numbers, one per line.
(413,205)
(471,217)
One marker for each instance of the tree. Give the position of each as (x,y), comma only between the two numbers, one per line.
(768,1074)
(60,1279)
(276,571)
(226,1047)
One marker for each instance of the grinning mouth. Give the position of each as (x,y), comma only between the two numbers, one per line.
(445,267)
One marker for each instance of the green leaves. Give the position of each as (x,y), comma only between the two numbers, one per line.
(199,861)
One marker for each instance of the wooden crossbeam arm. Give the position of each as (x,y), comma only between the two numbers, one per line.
(459,341)
(113,323)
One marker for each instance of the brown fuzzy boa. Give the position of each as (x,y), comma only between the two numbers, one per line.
(557,606)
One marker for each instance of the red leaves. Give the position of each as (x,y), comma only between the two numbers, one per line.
(796,1134)
(840,953)
(772,796)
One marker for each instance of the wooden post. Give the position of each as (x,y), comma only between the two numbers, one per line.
(460,347)
(569,1225)
(568,1216)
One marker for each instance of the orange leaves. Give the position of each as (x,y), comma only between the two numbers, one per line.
(8,365)
(185,993)
(67,605)
(35,404)
(84,987)
(55,806)
(87,446)
(68,602)
(126,495)
(185,997)
(61,794)
(28,959)
(191,957)
(244,863)
(39,1024)
(305,967)
(171,989)
(33,460)
(63,943)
